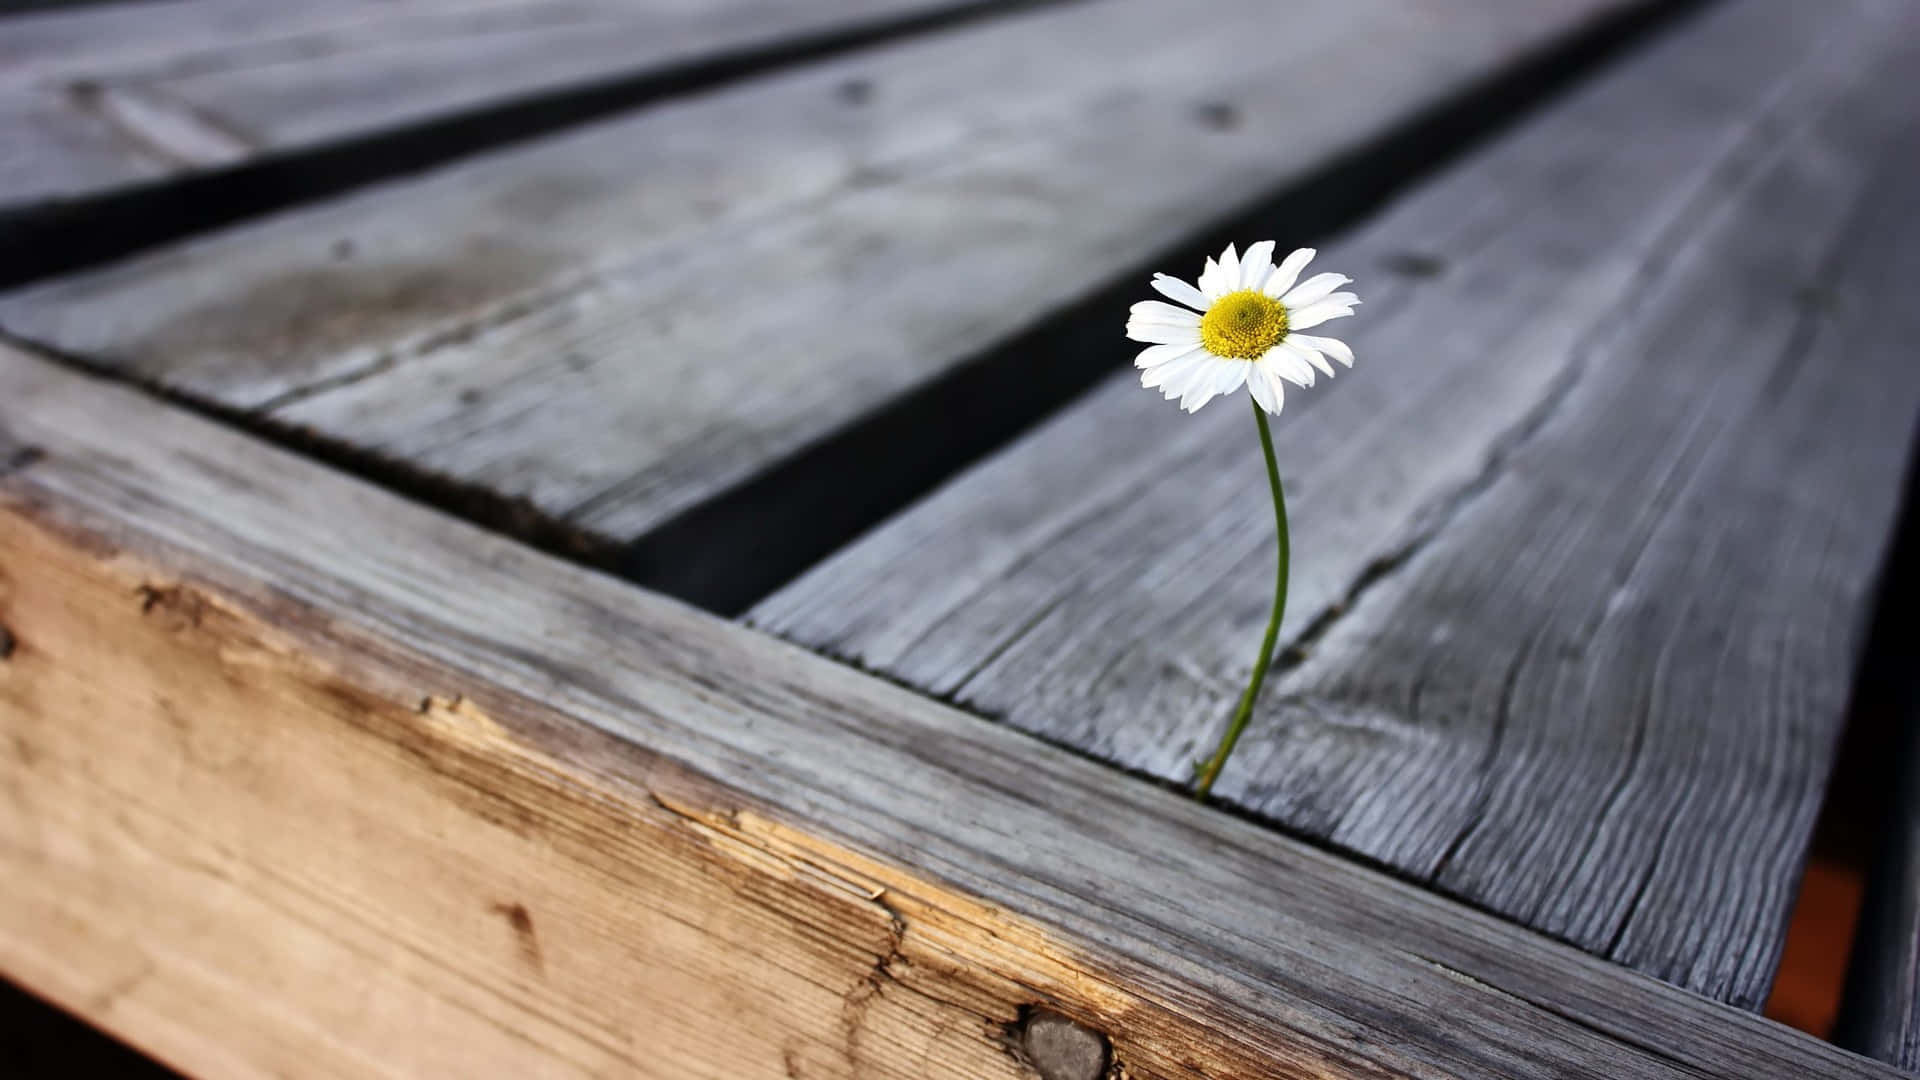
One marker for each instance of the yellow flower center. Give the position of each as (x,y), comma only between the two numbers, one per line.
(1243,325)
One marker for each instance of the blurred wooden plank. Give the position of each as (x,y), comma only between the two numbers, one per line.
(98,98)
(1582,547)
(304,778)
(611,328)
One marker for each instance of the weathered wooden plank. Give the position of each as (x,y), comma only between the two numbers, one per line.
(1580,547)
(620,324)
(96,99)
(309,778)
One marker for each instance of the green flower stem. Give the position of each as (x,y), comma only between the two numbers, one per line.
(1210,771)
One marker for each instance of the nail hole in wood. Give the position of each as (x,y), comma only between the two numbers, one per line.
(1060,1049)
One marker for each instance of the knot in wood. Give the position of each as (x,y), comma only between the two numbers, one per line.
(1060,1049)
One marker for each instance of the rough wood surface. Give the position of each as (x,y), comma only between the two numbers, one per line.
(305,778)
(620,323)
(97,98)
(1582,546)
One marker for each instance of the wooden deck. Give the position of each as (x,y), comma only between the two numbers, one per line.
(386,388)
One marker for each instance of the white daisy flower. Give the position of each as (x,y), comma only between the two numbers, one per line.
(1240,325)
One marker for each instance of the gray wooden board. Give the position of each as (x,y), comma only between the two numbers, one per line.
(1278,952)
(98,98)
(1583,545)
(617,323)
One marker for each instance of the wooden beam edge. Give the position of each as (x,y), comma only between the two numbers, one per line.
(257,830)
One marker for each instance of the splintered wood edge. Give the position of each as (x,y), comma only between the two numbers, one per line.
(255,832)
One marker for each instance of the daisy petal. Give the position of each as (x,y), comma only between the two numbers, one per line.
(1161,313)
(1185,382)
(1256,264)
(1287,272)
(1333,347)
(1232,376)
(1265,390)
(1155,355)
(1180,292)
(1153,334)
(1318,287)
(1293,345)
(1227,378)
(1279,389)
(1173,388)
(1210,381)
(1283,364)
(1230,270)
(1174,373)
(1210,282)
(1308,317)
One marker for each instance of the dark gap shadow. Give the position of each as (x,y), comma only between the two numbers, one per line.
(38,1041)
(1870,821)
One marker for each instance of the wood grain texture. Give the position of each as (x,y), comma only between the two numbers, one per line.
(1581,547)
(309,778)
(620,323)
(97,99)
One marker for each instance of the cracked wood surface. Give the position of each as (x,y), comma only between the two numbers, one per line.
(1583,548)
(306,778)
(614,325)
(99,98)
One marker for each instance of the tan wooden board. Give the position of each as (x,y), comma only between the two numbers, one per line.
(1584,546)
(304,778)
